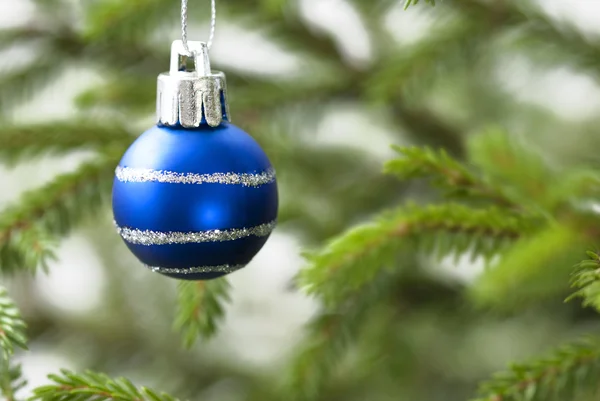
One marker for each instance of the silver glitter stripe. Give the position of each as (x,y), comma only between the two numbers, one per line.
(148,237)
(128,174)
(194,270)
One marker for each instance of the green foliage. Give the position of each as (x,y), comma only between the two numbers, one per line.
(28,229)
(447,229)
(131,17)
(447,173)
(94,386)
(130,94)
(11,379)
(586,278)
(329,336)
(12,326)
(519,203)
(22,142)
(12,334)
(415,2)
(559,377)
(536,266)
(514,166)
(18,86)
(201,307)
(546,41)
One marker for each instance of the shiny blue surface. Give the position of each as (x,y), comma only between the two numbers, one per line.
(203,150)
(195,207)
(189,207)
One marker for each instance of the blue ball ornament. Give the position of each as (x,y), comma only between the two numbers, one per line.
(194,197)
(195,203)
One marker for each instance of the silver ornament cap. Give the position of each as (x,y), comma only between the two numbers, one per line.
(189,98)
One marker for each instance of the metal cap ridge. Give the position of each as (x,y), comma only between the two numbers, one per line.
(191,98)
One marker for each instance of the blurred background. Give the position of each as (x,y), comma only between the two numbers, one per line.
(326,86)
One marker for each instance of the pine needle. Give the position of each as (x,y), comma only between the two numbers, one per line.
(200,308)
(94,386)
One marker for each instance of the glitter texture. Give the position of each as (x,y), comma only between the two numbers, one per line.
(194,270)
(128,174)
(147,237)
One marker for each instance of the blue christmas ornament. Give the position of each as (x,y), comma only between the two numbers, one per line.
(194,197)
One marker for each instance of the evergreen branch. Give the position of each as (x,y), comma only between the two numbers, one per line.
(284,25)
(504,158)
(50,211)
(447,172)
(329,336)
(306,169)
(126,93)
(532,270)
(424,127)
(20,85)
(559,377)
(11,379)
(12,333)
(350,261)
(91,386)
(21,142)
(201,308)
(129,20)
(400,70)
(415,2)
(586,278)
(538,30)
(400,76)
(12,326)
(118,25)
(11,36)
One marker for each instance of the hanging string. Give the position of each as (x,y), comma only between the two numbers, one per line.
(184,18)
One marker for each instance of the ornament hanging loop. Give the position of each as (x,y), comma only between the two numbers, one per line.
(190,98)
(199,54)
(184,28)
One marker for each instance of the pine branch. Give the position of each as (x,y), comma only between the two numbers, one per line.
(538,31)
(447,173)
(423,126)
(19,86)
(12,326)
(11,379)
(22,142)
(125,93)
(399,71)
(400,78)
(123,25)
(559,377)
(504,159)
(415,2)
(329,336)
(535,268)
(130,20)
(91,386)
(352,260)
(28,228)
(284,25)
(12,333)
(201,308)
(586,278)
(10,37)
